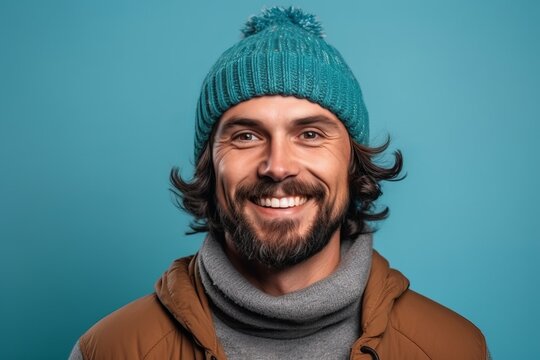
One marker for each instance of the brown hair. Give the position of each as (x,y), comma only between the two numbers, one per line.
(197,198)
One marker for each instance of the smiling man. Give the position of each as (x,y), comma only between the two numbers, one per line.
(284,185)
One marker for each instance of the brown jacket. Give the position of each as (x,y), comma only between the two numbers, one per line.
(176,323)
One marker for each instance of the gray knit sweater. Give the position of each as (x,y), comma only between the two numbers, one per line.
(319,322)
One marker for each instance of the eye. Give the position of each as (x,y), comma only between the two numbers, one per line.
(310,135)
(245,137)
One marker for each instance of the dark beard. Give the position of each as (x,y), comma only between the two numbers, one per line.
(281,247)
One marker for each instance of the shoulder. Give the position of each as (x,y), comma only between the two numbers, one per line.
(435,329)
(134,329)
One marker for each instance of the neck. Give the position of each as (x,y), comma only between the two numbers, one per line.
(278,282)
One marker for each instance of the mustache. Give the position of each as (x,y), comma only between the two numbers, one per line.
(289,187)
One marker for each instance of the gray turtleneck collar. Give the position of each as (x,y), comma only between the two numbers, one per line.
(323,318)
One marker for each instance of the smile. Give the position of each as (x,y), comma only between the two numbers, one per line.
(284,202)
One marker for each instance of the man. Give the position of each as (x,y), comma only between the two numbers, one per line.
(284,185)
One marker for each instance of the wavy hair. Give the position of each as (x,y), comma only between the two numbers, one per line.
(197,197)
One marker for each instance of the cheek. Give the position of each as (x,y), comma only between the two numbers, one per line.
(332,167)
(341,182)
(230,171)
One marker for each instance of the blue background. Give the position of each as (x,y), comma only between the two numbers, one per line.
(97,103)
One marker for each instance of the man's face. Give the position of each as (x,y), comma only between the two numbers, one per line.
(281,166)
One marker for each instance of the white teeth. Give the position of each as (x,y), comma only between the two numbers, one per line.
(284,202)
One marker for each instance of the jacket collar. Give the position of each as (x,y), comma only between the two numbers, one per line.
(384,286)
(180,290)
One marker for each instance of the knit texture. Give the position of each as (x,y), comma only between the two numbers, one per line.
(319,322)
(283,53)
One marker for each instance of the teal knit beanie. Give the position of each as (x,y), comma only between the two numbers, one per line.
(282,53)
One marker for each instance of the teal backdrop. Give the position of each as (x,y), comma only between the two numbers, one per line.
(97,101)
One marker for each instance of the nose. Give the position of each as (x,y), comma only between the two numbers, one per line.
(279,162)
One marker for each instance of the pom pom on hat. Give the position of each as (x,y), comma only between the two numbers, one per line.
(280,16)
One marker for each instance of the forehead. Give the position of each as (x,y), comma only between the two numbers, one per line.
(274,111)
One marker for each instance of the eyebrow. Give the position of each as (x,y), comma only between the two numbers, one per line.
(305,121)
(233,122)
(316,119)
